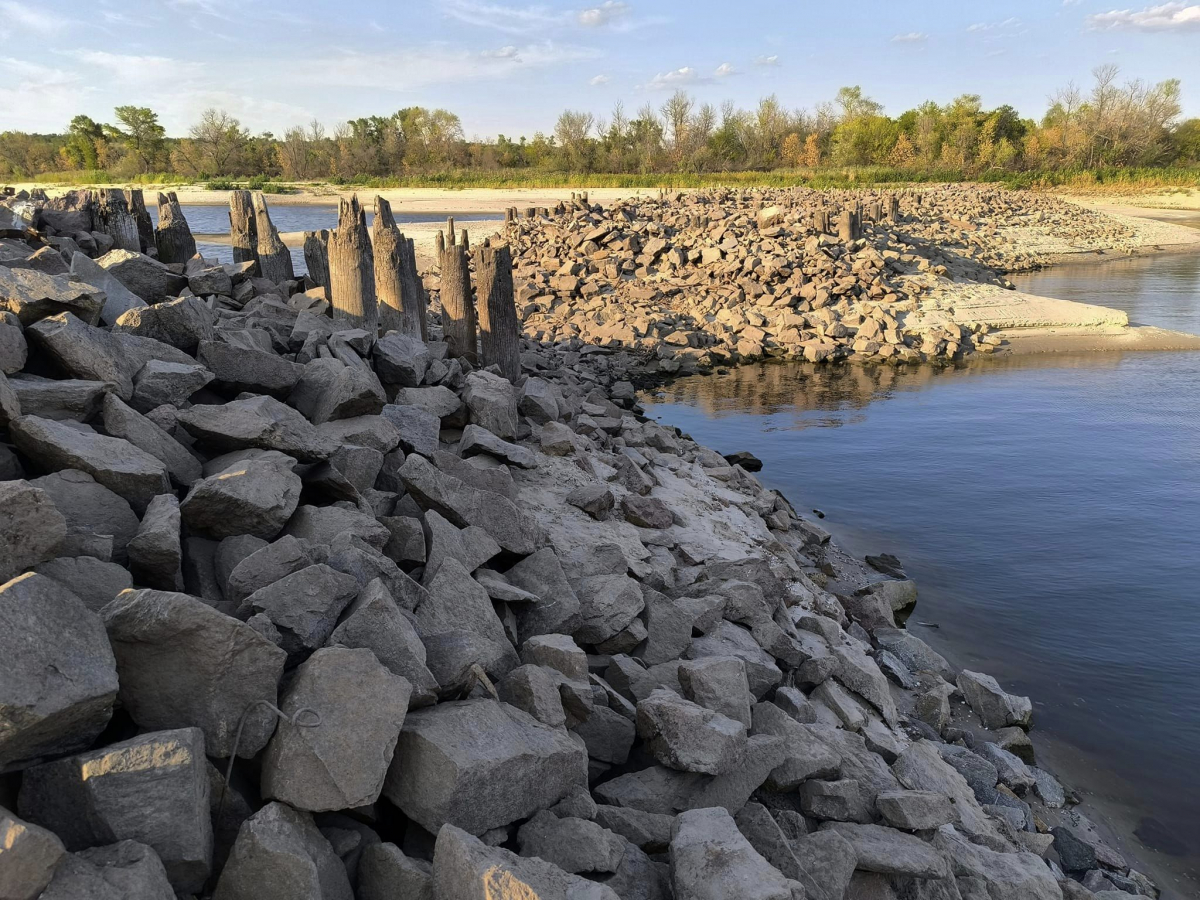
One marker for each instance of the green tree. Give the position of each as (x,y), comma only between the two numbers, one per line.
(82,138)
(143,137)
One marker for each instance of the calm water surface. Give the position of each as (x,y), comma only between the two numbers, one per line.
(212,220)
(1048,507)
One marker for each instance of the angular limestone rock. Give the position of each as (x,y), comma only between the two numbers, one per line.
(31,527)
(465,868)
(118,465)
(256,495)
(684,736)
(574,845)
(480,764)
(127,870)
(996,708)
(28,857)
(183,663)
(340,763)
(60,678)
(304,606)
(280,855)
(710,860)
(261,423)
(153,789)
(155,552)
(90,508)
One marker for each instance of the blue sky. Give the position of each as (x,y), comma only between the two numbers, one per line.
(509,67)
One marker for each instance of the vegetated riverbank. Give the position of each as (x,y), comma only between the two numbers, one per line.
(699,704)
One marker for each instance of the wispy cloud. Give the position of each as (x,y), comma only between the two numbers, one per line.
(599,80)
(132,69)
(608,13)
(911,37)
(39,98)
(509,19)
(772,60)
(1006,25)
(724,70)
(1176,17)
(23,17)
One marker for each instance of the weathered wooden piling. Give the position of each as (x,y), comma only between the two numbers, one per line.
(893,208)
(137,208)
(115,220)
(243,232)
(821,221)
(399,305)
(274,258)
(173,237)
(316,258)
(352,270)
(499,330)
(458,310)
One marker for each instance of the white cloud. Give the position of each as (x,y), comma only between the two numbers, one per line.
(509,52)
(23,17)
(674,79)
(599,80)
(509,19)
(38,98)
(1177,17)
(912,37)
(1007,25)
(772,60)
(610,12)
(724,70)
(141,70)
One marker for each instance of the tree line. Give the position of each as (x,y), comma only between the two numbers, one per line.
(1108,124)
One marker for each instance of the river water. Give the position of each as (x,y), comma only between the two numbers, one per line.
(214,220)
(1049,509)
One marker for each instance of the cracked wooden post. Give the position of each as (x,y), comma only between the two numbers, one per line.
(398,309)
(242,231)
(173,237)
(352,270)
(894,208)
(499,330)
(137,208)
(274,258)
(458,309)
(414,289)
(821,221)
(112,213)
(316,258)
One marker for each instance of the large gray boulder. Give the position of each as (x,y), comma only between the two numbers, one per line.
(457,602)
(280,854)
(887,851)
(684,736)
(718,683)
(60,676)
(122,421)
(117,297)
(148,278)
(607,605)
(127,870)
(83,352)
(160,383)
(155,552)
(574,845)
(341,763)
(261,423)
(491,403)
(711,860)
(465,868)
(303,606)
(325,524)
(254,495)
(117,464)
(237,370)
(68,399)
(28,857)
(557,607)
(513,529)
(182,663)
(31,527)
(1007,876)
(480,764)
(153,789)
(401,359)
(727,639)
(31,295)
(266,566)
(996,708)
(90,508)
(385,873)
(374,622)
